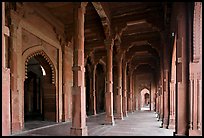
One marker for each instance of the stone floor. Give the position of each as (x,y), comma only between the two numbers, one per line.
(138,123)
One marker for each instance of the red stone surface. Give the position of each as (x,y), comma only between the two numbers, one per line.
(5,102)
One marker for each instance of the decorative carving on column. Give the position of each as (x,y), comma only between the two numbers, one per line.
(109,82)
(78,91)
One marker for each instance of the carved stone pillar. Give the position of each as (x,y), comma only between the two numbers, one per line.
(195,102)
(79,127)
(172,106)
(93,96)
(159,102)
(161,99)
(199,124)
(130,91)
(166,100)
(133,95)
(5,81)
(109,83)
(16,124)
(124,89)
(119,113)
(65,78)
(182,72)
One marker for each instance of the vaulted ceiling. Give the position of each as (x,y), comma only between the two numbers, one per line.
(139,26)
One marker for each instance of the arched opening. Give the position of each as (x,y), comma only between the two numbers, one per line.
(100,89)
(39,91)
(146,103)
(145,99)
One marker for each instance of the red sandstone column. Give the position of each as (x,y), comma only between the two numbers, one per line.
(161,99)
(124,89)
(119,114)
(133,95)
(195,103)
(93,98)
(109,83)
(5,82)
(79,127)
(166,101)
(139,101)
(159,102)
(182,72)
(65,84)
(130,91)
(172,105)
(15,112)
(199,124)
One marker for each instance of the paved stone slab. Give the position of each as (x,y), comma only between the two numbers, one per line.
(138,123)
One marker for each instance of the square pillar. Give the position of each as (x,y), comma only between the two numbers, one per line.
(124,87)
(109,83)
(119,113)
(78,127)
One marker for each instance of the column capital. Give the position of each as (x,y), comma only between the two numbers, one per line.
(81,5)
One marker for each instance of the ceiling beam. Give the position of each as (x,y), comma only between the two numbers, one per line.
(104,13)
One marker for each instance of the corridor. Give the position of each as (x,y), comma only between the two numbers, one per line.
(102,68)
(138,123)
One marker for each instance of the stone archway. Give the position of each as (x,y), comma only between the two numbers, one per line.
(145,99)
(39,88)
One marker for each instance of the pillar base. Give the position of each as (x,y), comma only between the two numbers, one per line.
(165,126)
(64,117)
(175,134)
(78,131)
(165,123)
(130,111)
(16,127)
(109,121)
(125,114)
(171,124)
(119,116)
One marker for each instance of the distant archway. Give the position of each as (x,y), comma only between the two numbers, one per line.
(145,99)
